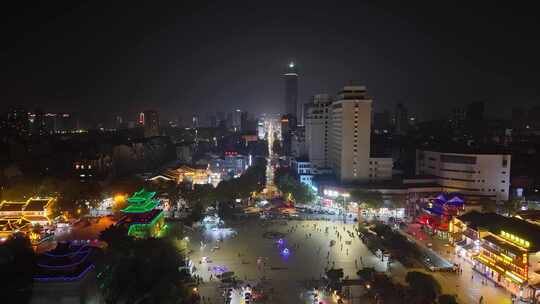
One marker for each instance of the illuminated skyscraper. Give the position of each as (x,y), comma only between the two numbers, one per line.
(291,92)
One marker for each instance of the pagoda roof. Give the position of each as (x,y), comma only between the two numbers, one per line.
(37,204)
(141,201)
(141,208)
(141,196)
(12,206)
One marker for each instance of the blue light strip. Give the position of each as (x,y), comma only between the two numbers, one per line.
(65,278)
(67,254)
(68,265)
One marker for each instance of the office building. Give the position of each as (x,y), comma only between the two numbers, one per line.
(149,119)
(298,142)
(302,168)
(472,174)
(236,120)
(317,130)
(261,130)
(291,91)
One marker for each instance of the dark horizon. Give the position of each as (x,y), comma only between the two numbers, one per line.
(184,59)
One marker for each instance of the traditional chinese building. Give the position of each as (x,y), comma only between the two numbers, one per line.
(437,213)
(505,249)
(35,210)
(67,262)
(21,216)
(141,216)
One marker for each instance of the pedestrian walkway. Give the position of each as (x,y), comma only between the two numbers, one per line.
(468,285)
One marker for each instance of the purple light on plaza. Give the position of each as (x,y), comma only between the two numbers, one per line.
(219,269)
(281,242)
(285,252)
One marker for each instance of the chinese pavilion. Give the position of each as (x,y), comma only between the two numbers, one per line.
(142,216)
(439,212)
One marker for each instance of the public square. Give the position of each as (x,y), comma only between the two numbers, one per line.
(289,276)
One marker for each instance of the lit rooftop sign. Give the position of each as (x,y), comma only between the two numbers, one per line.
(514,239)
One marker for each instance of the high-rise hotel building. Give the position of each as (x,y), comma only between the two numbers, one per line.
(338,134)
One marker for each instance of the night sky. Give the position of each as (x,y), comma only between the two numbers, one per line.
(102,59)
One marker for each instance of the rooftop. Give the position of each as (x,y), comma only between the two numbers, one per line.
(141,196)
(496,223)
(12,206)
(464,149)
(37,204)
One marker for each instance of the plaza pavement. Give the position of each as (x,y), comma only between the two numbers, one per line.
(286,275)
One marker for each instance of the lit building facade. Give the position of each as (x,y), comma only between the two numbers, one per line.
(291,91)
(350,139)
(318,130)
(439,212)
(35,210)
(476,175)
(506,250)
(141,216)
(302,167)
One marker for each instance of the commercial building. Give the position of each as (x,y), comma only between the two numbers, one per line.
(291,91)
(194,175)
(22,216)
(506,250)
(473,174)
(436,214)
(35,210)
(298,142)
(302,167)
(236,120)
(318,130)
(261,130)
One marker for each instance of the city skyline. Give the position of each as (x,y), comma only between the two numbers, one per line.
(66,58)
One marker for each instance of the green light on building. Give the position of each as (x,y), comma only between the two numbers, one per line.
(141,215)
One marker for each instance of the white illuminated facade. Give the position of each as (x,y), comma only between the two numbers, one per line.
(350,138)
(482,175)
(317,131)
(338,136)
